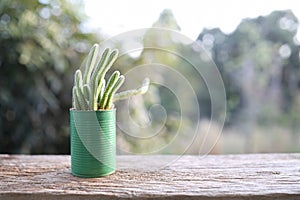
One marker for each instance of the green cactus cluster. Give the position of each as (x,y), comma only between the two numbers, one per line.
(91,91)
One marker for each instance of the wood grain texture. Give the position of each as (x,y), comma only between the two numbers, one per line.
(253,176)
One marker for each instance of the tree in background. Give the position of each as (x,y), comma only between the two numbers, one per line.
(259,62)
(41,44)
(260,66)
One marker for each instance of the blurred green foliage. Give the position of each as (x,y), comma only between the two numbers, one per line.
(260,65)
(41,44)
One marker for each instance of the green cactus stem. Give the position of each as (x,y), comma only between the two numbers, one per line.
(126,94)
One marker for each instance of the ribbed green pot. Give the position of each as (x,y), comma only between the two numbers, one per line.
(93,142)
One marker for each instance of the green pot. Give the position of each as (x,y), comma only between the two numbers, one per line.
(93,142)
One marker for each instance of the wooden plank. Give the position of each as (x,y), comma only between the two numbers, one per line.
(254,176)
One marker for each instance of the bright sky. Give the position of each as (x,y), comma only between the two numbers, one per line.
(117,16)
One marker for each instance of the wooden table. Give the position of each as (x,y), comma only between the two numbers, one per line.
(253,176)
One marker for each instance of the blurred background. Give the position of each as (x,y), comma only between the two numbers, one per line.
(254,45)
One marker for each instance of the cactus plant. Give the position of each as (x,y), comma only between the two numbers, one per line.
(91,91)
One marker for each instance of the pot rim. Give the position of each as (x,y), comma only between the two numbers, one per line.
(101,110)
